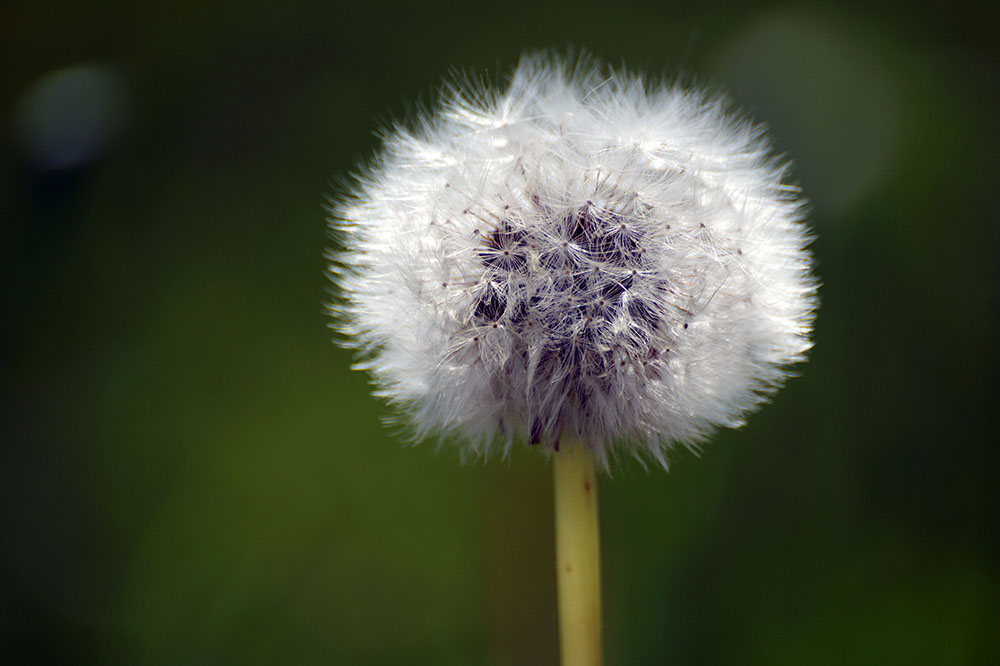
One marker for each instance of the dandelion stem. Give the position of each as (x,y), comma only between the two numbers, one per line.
(578,562)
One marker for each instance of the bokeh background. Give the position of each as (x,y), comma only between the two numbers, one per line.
(191,474)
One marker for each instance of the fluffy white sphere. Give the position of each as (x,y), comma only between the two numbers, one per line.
(580,255)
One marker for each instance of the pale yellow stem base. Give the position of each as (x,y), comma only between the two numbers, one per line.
(578,562)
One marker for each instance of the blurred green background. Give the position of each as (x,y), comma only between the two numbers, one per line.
(191,474)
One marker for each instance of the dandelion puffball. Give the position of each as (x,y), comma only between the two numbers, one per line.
(580,255)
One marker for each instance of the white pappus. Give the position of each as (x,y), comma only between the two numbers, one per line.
(583,254)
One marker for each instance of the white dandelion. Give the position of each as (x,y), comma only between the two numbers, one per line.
(584,262)
(578,256)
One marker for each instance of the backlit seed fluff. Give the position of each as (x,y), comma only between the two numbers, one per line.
(582,254)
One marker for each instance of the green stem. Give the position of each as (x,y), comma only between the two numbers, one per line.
(578,563)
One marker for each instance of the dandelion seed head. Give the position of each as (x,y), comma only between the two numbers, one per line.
(579,255)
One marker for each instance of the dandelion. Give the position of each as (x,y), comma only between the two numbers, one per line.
(583,262)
